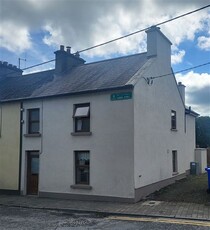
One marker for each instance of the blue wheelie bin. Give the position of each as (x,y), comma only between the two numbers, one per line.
(208,172)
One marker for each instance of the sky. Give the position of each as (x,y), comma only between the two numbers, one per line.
(32,30)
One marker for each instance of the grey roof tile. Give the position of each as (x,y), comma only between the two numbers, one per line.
(107,74)
(23,87)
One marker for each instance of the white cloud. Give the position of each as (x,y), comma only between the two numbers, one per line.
(54,36)
(14,38)
(204,43)
(197,91)
(194,80)
(81,23)
(177,57)
(185,28)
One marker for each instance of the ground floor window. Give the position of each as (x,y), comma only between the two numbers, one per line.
(174,161)
(82,167)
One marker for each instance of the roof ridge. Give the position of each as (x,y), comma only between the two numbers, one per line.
(110,59)
(38,72)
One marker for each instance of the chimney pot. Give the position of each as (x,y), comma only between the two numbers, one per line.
(65,60)
(68,49)
(61,47)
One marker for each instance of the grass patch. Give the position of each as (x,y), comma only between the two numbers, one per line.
(192,189)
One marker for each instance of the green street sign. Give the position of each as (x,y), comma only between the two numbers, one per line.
(121,96)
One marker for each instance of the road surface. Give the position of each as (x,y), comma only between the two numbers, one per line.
(14,218)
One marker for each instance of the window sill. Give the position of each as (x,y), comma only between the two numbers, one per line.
(81,133)
(175,130)
(32,135)
(81,186)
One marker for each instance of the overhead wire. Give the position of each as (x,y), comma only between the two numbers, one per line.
(142,30)
(125,36)
(181,71)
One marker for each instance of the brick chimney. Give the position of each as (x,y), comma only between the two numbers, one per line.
(65,60)
(9,70)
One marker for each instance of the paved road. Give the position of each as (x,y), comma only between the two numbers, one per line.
(33,219)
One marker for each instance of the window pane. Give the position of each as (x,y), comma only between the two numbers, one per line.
(83,158)
(33,121)
(85,124)
(34,127)
(79,125)
(173,119)
(35,165)
(82,175)
(82,112)
(34,114)
(82,124)
(174,161)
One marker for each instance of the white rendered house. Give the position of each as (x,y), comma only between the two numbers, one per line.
(110,130)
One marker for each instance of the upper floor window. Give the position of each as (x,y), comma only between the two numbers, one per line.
(33,121)
(82,118)
(173,120)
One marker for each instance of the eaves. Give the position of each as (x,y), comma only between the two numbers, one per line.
(124,87)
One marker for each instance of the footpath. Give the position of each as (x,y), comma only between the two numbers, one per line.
(148,208)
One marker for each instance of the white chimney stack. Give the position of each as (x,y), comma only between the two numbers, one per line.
(158,45)
(181,89)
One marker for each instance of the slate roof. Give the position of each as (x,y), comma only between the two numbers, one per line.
(97,76)
(14,88)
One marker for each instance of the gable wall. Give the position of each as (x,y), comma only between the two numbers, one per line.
(153,138)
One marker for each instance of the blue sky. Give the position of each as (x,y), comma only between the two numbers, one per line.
(34,29)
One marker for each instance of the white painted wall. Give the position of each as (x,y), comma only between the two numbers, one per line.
(153,139)
(110,145)
(9,145)
(190,140)
(201,158)
(29,143)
